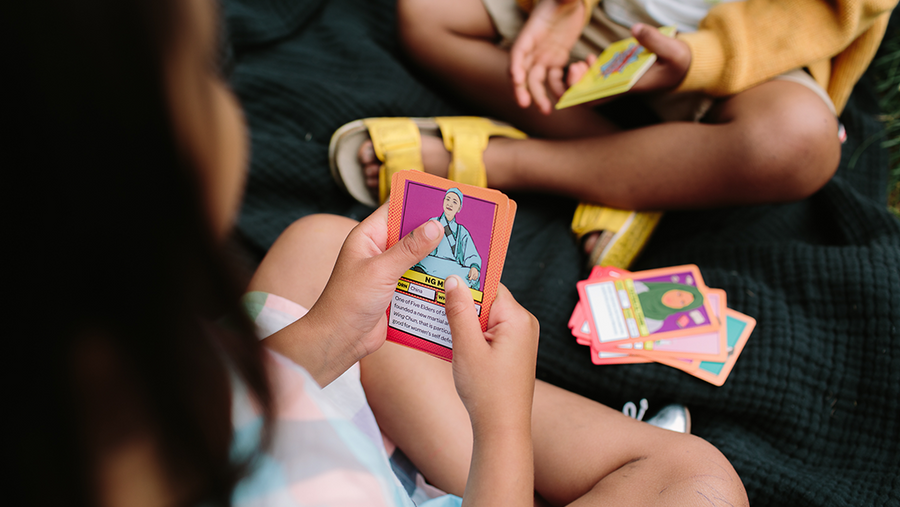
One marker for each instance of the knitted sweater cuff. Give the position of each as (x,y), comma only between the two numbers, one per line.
(707,62)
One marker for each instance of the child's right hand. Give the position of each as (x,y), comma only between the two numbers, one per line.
(493,370)
(494,376)
(673,59)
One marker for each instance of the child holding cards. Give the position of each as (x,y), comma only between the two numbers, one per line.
(757,87)
(142,394)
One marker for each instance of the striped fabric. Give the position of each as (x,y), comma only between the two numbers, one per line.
(326,447)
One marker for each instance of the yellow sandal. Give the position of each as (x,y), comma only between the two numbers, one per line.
(398,145)
(623,233)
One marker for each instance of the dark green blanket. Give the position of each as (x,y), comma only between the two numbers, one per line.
(811,412)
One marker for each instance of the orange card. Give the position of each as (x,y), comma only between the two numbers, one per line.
(477,223)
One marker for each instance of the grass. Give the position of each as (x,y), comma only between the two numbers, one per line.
(886,71)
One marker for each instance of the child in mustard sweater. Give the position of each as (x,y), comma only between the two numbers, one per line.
(748,91)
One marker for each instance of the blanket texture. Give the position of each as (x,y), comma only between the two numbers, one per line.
(811,413)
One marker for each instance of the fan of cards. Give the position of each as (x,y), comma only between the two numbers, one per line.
(665,315)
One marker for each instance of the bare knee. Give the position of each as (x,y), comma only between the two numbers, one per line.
(299,263)
(699,474)
(672,469)
(324,231)
(788,148)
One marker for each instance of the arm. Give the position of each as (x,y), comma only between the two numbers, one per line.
(741,44)
(348,320)
(494,376)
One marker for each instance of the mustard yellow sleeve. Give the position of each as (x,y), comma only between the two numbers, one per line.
(741,44)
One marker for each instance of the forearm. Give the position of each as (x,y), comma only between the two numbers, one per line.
(316,346)
(741,44)
(502,469)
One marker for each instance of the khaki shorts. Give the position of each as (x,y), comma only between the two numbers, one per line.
(508,19)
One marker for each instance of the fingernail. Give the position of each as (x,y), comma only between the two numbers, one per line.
(432,229)
(451,282)
(637,29)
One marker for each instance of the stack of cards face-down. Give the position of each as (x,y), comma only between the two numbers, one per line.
(665,315)
(477,223)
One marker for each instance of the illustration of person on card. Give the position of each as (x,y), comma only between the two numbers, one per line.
(659,300)
(456,254)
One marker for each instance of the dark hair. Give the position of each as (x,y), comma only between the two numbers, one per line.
(111,256)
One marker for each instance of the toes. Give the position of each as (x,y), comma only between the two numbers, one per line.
(372,181)
(590,241)
(370,164)
(367,153)
(371,172)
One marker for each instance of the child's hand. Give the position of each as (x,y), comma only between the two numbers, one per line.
(349,316)
(493,370)
(577,70)
(673,59)
(541,51)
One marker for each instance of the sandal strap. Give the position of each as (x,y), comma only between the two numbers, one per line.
(466,138)
(590,218)
(629,232)
(398,145)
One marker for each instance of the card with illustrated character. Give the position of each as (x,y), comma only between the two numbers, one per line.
(616,70)
(656,304)
(710,346)
(477,223)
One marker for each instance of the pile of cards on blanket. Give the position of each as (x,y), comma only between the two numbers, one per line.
(665,315)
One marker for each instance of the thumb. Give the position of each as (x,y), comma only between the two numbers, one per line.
(654,41)
(411,248)
(460,308)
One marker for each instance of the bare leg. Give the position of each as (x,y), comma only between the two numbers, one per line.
(584,453)
(299,263)
(772,143)
(775,142)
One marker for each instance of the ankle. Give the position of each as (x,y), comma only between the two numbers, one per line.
(501,162)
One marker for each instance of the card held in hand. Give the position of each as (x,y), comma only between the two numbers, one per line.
(616,70)
(477,223)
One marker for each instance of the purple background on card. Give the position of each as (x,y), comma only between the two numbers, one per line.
(677,277)
(423,202)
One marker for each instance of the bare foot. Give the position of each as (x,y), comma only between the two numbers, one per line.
(589,241)
(435,158)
